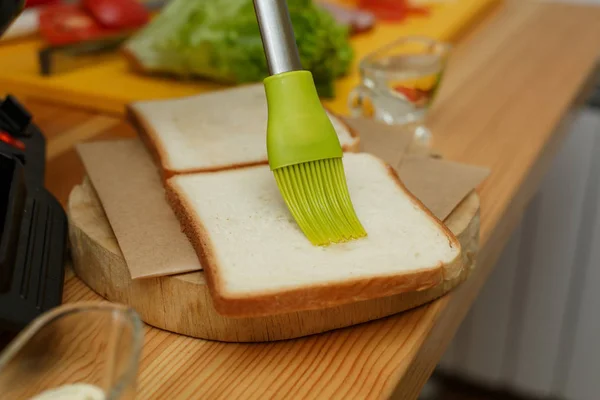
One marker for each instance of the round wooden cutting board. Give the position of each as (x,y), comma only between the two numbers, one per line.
(182,303)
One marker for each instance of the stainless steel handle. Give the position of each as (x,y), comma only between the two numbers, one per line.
(277,36)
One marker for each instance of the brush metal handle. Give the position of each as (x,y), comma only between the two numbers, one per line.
(277,36)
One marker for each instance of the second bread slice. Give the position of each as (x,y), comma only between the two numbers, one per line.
(213,131)
(258,262)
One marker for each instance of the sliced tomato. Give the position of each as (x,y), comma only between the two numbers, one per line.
(62,24)
(117,14)
(392,10)
(386,10)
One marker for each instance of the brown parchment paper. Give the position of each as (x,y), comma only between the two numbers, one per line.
(130,189)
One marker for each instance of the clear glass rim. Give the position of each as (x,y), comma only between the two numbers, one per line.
(75,308)
(438,47)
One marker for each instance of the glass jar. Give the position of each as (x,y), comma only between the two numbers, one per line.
(399,83)
(75,351)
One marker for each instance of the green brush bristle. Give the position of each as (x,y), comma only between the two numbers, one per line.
(317,195)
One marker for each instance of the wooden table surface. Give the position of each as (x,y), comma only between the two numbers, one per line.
(511,85)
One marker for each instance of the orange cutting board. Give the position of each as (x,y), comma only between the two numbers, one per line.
(108,86)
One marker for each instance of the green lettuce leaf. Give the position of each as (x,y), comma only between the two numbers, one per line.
(220,40)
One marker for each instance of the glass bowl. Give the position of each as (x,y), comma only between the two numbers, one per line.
(75,351)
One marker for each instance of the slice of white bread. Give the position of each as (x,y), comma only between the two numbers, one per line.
(213,131)
(258,262)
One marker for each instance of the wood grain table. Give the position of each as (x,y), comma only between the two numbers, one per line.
(509,91)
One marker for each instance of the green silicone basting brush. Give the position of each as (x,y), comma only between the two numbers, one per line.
(304,151)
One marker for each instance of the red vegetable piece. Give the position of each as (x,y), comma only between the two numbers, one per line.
(392,10)
(64,24)
(117,14)
(411,94)
(387,10)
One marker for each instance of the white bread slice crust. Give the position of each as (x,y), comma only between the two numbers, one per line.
(258,262)
(213,131)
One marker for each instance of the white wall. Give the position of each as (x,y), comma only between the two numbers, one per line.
(535,327)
